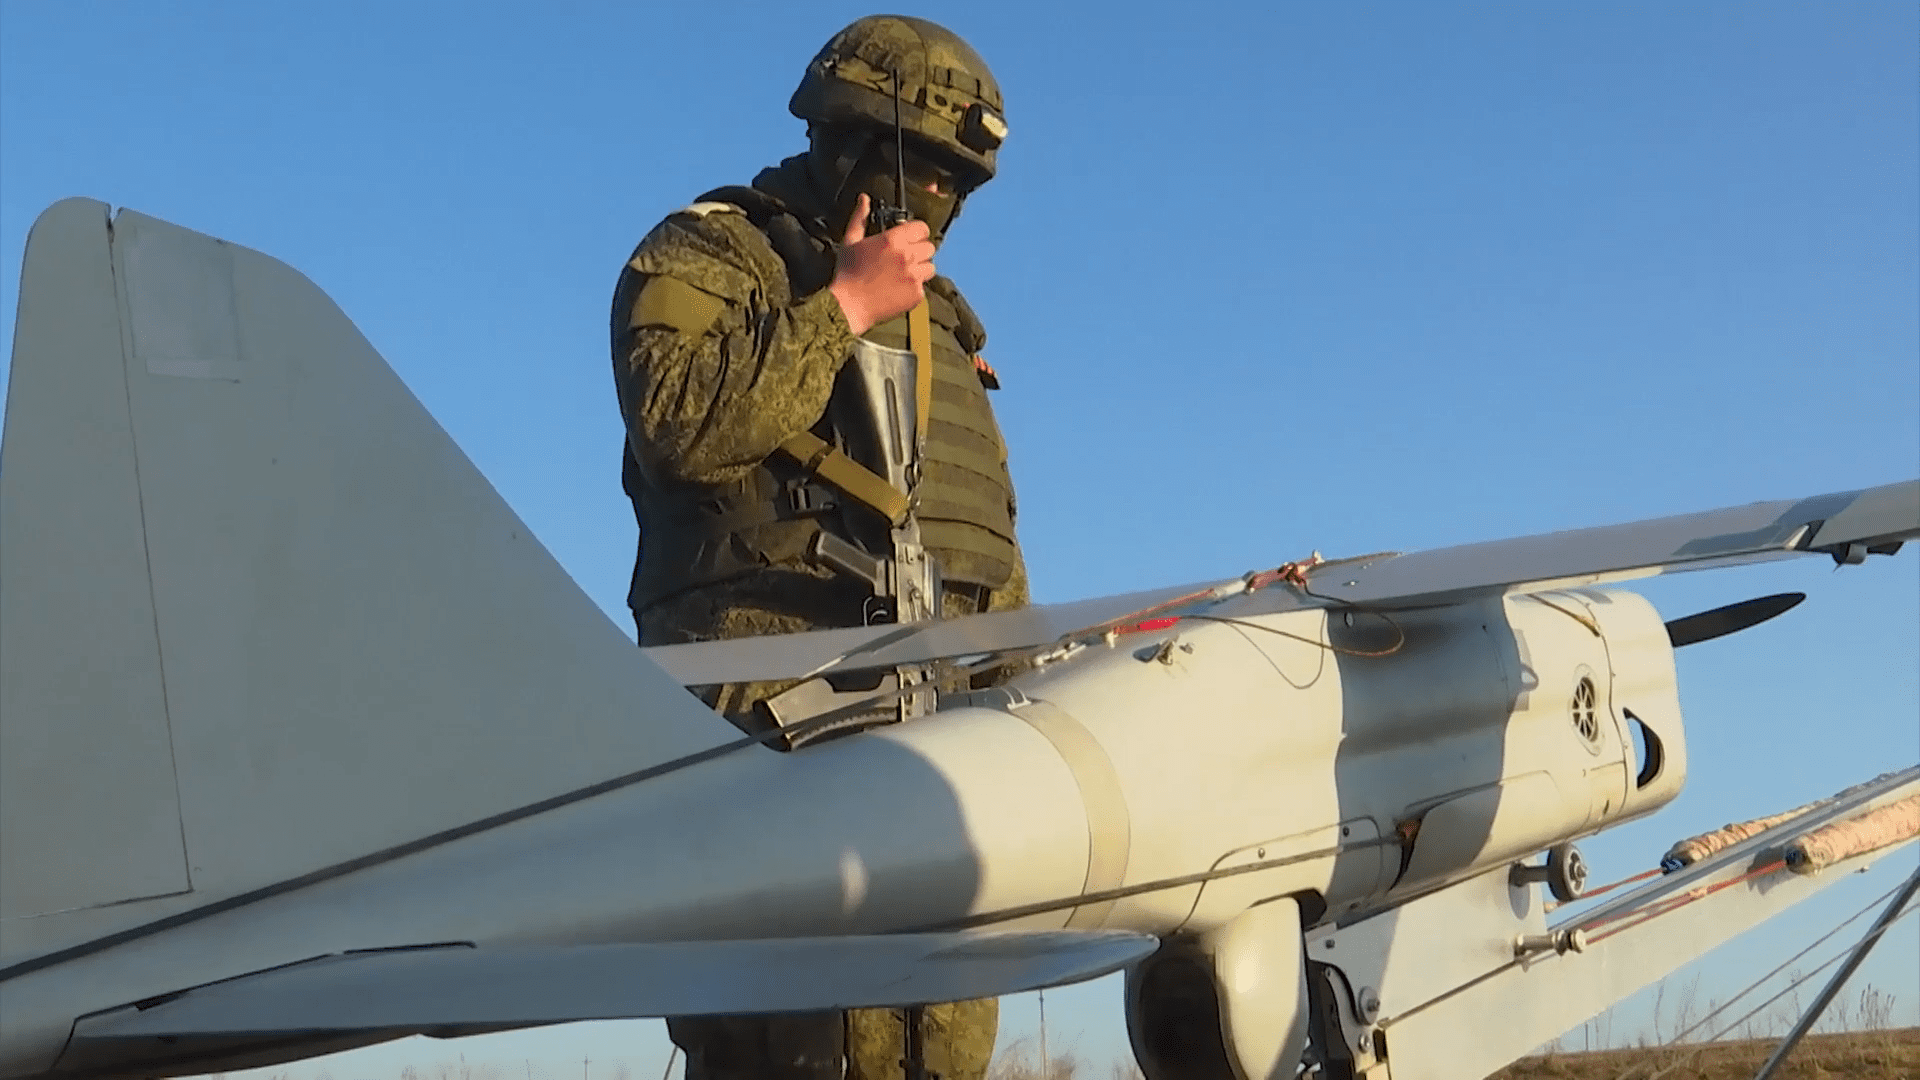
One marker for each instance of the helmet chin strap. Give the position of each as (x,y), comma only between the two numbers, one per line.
(833,162)
(844,164)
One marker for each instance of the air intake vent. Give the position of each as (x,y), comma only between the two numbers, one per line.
(1585,720)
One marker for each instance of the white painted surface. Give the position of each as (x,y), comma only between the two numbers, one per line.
(88,810)
(359,643)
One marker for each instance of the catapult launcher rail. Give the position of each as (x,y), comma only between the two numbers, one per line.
(1382,1013)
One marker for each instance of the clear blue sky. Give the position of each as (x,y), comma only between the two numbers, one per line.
(1260,279)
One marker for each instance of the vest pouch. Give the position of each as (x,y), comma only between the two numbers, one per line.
(696,536)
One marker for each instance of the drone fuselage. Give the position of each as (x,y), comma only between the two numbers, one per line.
(1348,760)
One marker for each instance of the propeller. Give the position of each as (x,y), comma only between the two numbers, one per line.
(1722,621)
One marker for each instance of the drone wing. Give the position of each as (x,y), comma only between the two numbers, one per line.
(1847,526)
(455,986)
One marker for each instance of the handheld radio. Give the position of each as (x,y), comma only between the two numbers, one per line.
(882,216)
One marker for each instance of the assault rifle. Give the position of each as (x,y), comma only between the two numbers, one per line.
(894,390)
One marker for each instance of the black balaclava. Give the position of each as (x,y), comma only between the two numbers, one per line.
(846,162)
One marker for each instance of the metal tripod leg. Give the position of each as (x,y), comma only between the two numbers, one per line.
(1839,979)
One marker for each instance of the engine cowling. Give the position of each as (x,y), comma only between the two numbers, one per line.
(1229,1004)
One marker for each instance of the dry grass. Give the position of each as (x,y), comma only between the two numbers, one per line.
(1852,1042)
(1860,1055)
(1021,1061)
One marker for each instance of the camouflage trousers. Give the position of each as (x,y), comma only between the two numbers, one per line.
(958,1038)
(863,1044)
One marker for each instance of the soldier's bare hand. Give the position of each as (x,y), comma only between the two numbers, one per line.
(881,276)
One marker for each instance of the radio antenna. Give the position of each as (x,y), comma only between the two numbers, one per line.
(899,148)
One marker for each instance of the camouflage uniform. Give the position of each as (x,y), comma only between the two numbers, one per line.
(710,409)
(740,349)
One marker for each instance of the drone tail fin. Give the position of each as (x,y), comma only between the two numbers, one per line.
(258,613)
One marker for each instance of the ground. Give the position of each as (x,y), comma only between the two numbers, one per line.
(1860,1055)
(1884,1054)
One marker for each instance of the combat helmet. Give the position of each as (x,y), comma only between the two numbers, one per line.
(948,98)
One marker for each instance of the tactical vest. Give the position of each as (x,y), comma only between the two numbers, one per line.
(696,535)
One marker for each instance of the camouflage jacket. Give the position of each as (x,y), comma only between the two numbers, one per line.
(750,358)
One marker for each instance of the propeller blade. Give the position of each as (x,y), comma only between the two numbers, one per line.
(1722,621)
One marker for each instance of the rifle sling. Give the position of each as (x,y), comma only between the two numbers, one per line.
(826,461)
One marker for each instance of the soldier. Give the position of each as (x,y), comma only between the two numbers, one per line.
(810,443)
